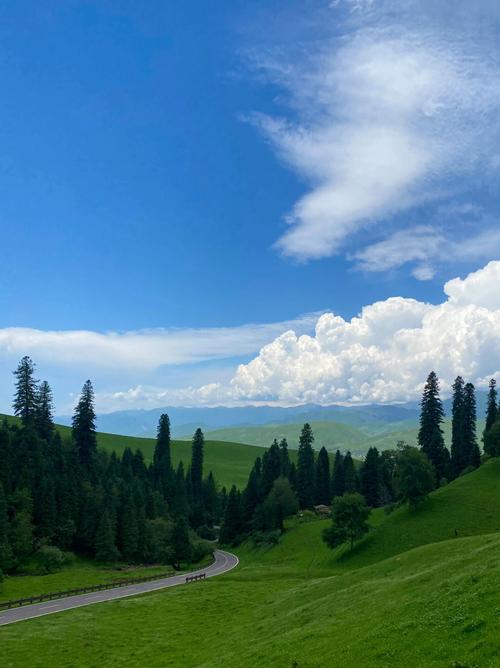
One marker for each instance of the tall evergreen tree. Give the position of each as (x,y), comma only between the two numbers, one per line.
(197,467)
(285,458)
(105,546)
(323,483)
(370,478)
(253,494)
(25,398)
(492,408)
(350,475)
(458,446)
(44,410)
(181,545)
(233,522)
(338,478)
(84,433)
(430,435)
(180,504)
(162,462)
(271,467)
(305,468)
(5,549)
(472,454)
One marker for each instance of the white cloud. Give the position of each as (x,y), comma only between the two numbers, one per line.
(383,355)
(386,117)
(141,350)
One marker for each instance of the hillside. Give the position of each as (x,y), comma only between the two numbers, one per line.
(435,605)
(230,462)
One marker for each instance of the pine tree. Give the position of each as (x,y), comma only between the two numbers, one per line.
(181,545)
(25,398)
(180,503)
(197,467)
(350,475)
(323,483)
(430,435)
(44,410)
(491,410)
(84,433)
(370,478)
(128,528)
(252,495)
(233,522)
(338,478)
(472,454)
(5,548)
(271,467)
(458,447)
(162,463)
(285,458)
(305,468)
(210,498)
(105,547)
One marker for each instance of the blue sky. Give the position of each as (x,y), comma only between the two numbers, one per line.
(198,178)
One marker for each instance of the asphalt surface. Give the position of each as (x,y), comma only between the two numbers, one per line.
(224,562)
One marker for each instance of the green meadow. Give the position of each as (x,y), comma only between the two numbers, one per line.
(422,590)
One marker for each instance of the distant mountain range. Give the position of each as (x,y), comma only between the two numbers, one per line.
(354,427)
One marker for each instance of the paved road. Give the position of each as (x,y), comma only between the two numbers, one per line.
(224,561)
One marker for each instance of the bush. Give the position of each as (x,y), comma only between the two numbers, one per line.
(50,559)
(201,549)
(206,532)
(265,538)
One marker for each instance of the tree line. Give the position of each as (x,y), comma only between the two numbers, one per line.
(277,487)
(64,494)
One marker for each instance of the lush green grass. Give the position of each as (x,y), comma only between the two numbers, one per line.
(80,573)
(429,607)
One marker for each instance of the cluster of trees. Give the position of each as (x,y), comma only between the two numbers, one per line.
(66,494)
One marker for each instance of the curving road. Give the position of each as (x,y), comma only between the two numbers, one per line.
(224,562)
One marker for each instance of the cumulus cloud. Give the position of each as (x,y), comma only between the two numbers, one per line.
(384,118)
(382,355)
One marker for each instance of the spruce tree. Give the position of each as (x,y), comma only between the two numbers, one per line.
(338,478)
(25,398)
(181,545)
(458,446)
(430,435)
(370,478)
(271,467)
(197,467)
(44,410)
(5,548)
(84,433)
(491,408)
(350,475)
(105,547)
(232,524)
(162,462)
(472,454)
(323,483)
(180,503)
(252,495)
(305,468)
(285,458)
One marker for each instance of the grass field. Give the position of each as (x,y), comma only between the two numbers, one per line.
(299,605)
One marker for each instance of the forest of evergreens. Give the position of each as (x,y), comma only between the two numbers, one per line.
(60,496)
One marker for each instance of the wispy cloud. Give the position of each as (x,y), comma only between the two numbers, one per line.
(384,118)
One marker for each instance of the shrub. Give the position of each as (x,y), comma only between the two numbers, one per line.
(201,549)
(51,559)
(206,532)
(265,538)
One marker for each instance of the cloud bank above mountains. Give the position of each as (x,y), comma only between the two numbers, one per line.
(392,115)
(382,355)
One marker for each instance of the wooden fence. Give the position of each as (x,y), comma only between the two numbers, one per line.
(193,578)
(82,590)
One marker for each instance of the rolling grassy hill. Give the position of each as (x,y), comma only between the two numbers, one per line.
(409,595)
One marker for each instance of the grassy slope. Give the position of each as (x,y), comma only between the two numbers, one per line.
(297,605)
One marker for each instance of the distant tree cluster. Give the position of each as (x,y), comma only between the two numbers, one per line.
(64,494)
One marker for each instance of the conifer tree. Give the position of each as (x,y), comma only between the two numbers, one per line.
(458,446)
(162,462)
(180,504)
(25,398)
(323,483)
(210,500)
(5,549)
(197,467)
(84,433)
(271,467)
(350,475)
(370,478)
(105,547)
(305,468)
(430,435)
(128,528)
(285,458)
(472,454)
(232,525)
(44,410)
(181,545)
(252,495)
(492,408)
(338,478)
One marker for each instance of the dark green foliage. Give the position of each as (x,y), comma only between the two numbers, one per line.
(44,410)
(305,468)
(5,549)
(285,458)
(458,456)
(472,454)
(162,462)
(349,520)
(84,433)
(323,482)
(492,408)
(414,475)
(197,467)
(370,483)
(50,559)
(430,435)
(283,497)
(350,476)
(232,525)
(271,467)
(252,496)
(105,540)
(180,504)
(338,478)
(181,549)
(25,398)
(492,440)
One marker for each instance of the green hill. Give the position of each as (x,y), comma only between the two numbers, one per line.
(230,462)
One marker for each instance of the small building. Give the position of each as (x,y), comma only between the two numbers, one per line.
(322,510)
